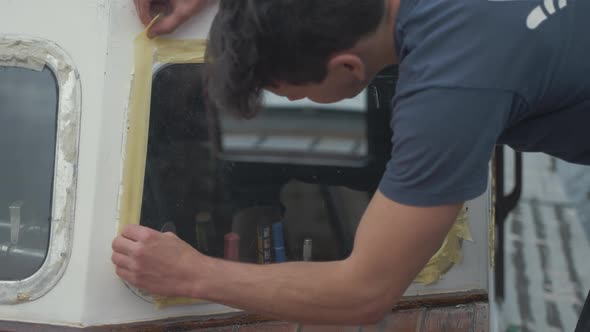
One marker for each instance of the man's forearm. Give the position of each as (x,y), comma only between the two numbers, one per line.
(304,292)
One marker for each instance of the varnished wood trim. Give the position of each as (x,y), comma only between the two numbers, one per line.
(441,300)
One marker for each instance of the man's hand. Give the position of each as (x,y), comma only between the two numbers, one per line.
(180,12)
(159,263)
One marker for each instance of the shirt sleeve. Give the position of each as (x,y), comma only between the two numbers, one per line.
(443,140)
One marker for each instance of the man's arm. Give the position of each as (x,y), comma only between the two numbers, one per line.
(392,244)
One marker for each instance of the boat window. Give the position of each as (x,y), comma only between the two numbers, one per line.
(40,106)
(290,184)
(28,122)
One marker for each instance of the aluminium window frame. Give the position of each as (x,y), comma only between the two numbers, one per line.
(37,53)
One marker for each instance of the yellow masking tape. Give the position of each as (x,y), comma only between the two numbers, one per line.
(138,119)
(148,51)
(449,254)
(180,51)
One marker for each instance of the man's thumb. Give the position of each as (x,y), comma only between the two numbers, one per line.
(164,25)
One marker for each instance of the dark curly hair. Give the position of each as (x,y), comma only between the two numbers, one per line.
(256,43)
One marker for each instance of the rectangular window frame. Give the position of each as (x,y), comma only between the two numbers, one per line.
(36,53)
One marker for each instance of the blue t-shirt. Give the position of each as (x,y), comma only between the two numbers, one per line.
(476,73)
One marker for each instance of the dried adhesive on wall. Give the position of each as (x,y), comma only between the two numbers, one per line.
(18,53)
(450,252)
(138,118)
(147,52)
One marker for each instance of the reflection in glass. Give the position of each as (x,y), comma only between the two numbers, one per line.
(300,132)
(292,182)
(28,122)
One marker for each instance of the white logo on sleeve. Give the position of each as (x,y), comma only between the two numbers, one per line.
(538,16)
(539,13)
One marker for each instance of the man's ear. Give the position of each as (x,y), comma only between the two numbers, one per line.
(348,64)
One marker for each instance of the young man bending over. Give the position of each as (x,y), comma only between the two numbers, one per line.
(473,74)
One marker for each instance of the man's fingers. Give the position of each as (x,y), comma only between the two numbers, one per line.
(126,275)
(123,261)
(138,233)
(143,11)
(181,11)
(166,24)
(124,246)
(170,234)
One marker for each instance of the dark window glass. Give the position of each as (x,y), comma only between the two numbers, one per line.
(297,177)
(28,121)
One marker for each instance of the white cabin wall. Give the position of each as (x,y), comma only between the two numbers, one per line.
(107,299)
(80,29)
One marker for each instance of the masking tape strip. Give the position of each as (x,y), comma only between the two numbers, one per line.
(449,254)
(180,51)
(146,52)
(138,119)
